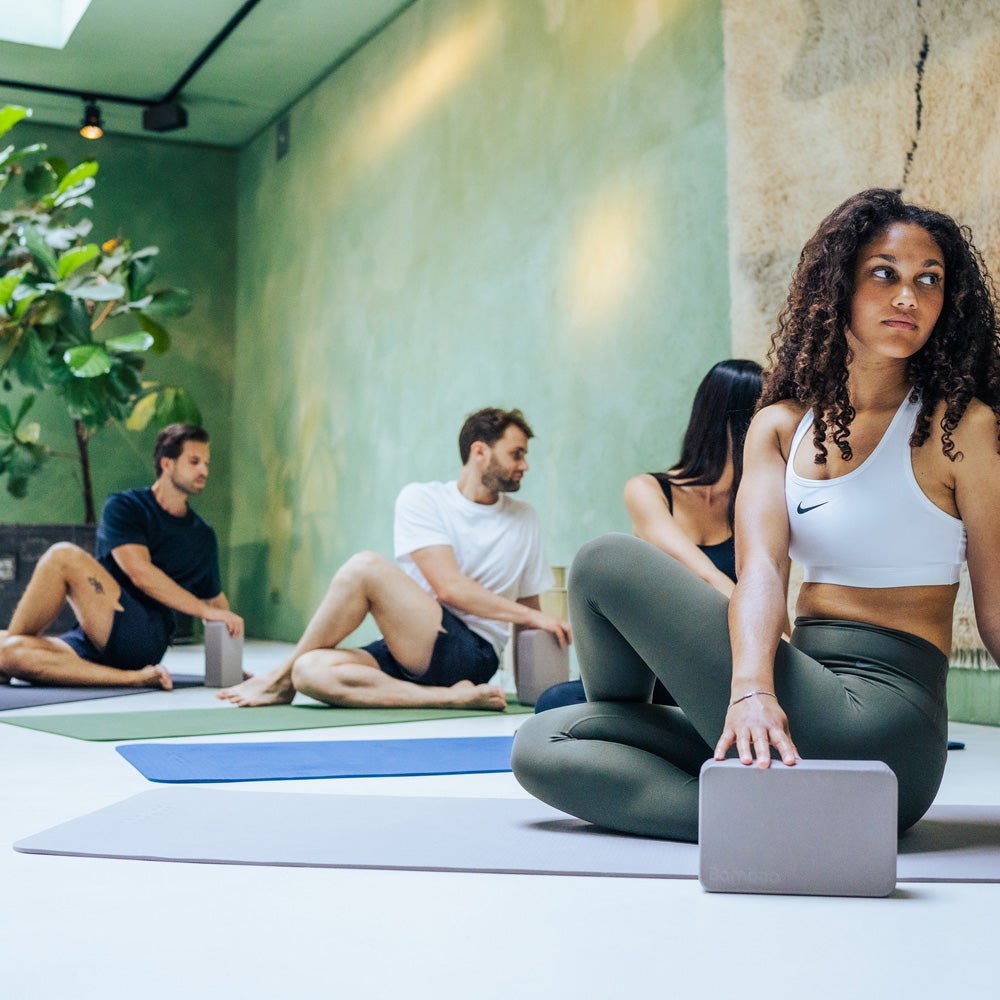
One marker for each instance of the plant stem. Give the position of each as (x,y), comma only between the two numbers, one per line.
(103,316)
(89,516)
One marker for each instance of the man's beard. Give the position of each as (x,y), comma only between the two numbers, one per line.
(494,480)
(188,489)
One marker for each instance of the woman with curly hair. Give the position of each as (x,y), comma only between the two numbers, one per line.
(874,461)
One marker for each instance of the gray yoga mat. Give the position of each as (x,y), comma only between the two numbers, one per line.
(225,826)
(17,695)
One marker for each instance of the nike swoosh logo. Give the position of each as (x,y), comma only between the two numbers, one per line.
(805,510)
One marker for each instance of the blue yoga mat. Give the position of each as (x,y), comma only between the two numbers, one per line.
(191,762)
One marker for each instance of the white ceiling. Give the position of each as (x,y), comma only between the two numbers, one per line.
(140,49)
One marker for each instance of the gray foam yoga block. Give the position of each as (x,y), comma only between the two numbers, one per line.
(223,656)
(540,663)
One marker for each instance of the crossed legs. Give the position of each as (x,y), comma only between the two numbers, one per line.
(66,573)
(617,760)
(851,691)
(409,619)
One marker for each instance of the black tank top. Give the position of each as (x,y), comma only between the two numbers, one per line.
(722,554)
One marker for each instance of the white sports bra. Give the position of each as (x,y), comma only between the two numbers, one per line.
(874,526)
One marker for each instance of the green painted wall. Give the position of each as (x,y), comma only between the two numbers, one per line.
(495,202)
(182,199)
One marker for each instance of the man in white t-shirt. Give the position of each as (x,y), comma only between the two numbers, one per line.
(472,563)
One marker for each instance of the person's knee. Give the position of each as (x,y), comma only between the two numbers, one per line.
(64,556)
(600,558)
(529,756)
(15,655)
(7,655)
(304,669)
(320,670)
(364,567)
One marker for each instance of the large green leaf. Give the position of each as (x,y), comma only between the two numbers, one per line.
(8,283)
(10,116)
(142,413)
(130,342)
(24,301)
(128,376)
(175,405)
(79,175)
(35,242)
(97,291)
(27,360)
(161,339)
(76,195)
(88,360)
(140,275)
(76,258)
(30,433)
(74,327)
(12,155)
(59,166)
(50,308)
(40,180)
(169,303)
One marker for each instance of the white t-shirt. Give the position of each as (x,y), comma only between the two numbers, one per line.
(497,545)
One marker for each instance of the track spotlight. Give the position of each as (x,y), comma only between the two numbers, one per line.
(91,128)
(164,117)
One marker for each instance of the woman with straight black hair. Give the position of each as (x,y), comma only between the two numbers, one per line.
(874,462)
(687,511)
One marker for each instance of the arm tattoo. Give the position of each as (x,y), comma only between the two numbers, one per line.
(96,584)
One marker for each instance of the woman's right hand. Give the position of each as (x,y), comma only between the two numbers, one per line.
(754,725)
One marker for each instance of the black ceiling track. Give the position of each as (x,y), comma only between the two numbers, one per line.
(171,95)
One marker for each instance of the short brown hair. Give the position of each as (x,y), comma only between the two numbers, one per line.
(488,426)
(170,442)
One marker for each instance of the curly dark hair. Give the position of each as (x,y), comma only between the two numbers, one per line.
(809,353)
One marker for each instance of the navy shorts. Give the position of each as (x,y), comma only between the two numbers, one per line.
(139,637)
(459,655)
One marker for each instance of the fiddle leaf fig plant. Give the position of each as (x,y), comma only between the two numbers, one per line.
(77,318)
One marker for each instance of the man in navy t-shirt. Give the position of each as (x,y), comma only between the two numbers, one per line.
(155,556)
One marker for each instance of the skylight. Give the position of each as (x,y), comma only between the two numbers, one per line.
(40,22)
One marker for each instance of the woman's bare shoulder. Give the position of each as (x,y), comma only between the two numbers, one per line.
(781,418)
(642,482)
(643,487)
(977,430)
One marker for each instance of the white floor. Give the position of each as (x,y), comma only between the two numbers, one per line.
(117,930)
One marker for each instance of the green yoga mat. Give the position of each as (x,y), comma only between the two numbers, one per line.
(216,721)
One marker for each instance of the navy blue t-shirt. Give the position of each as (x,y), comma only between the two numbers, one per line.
(184,548)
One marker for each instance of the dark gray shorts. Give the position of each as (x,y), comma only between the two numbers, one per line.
(459,655)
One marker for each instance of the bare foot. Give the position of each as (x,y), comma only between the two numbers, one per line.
(488,697)
(153,677)
(264,689)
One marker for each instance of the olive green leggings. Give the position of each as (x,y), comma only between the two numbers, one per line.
(850,691)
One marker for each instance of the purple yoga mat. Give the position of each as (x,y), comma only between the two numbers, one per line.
(27,695)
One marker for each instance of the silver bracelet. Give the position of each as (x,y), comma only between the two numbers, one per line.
(744,697)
